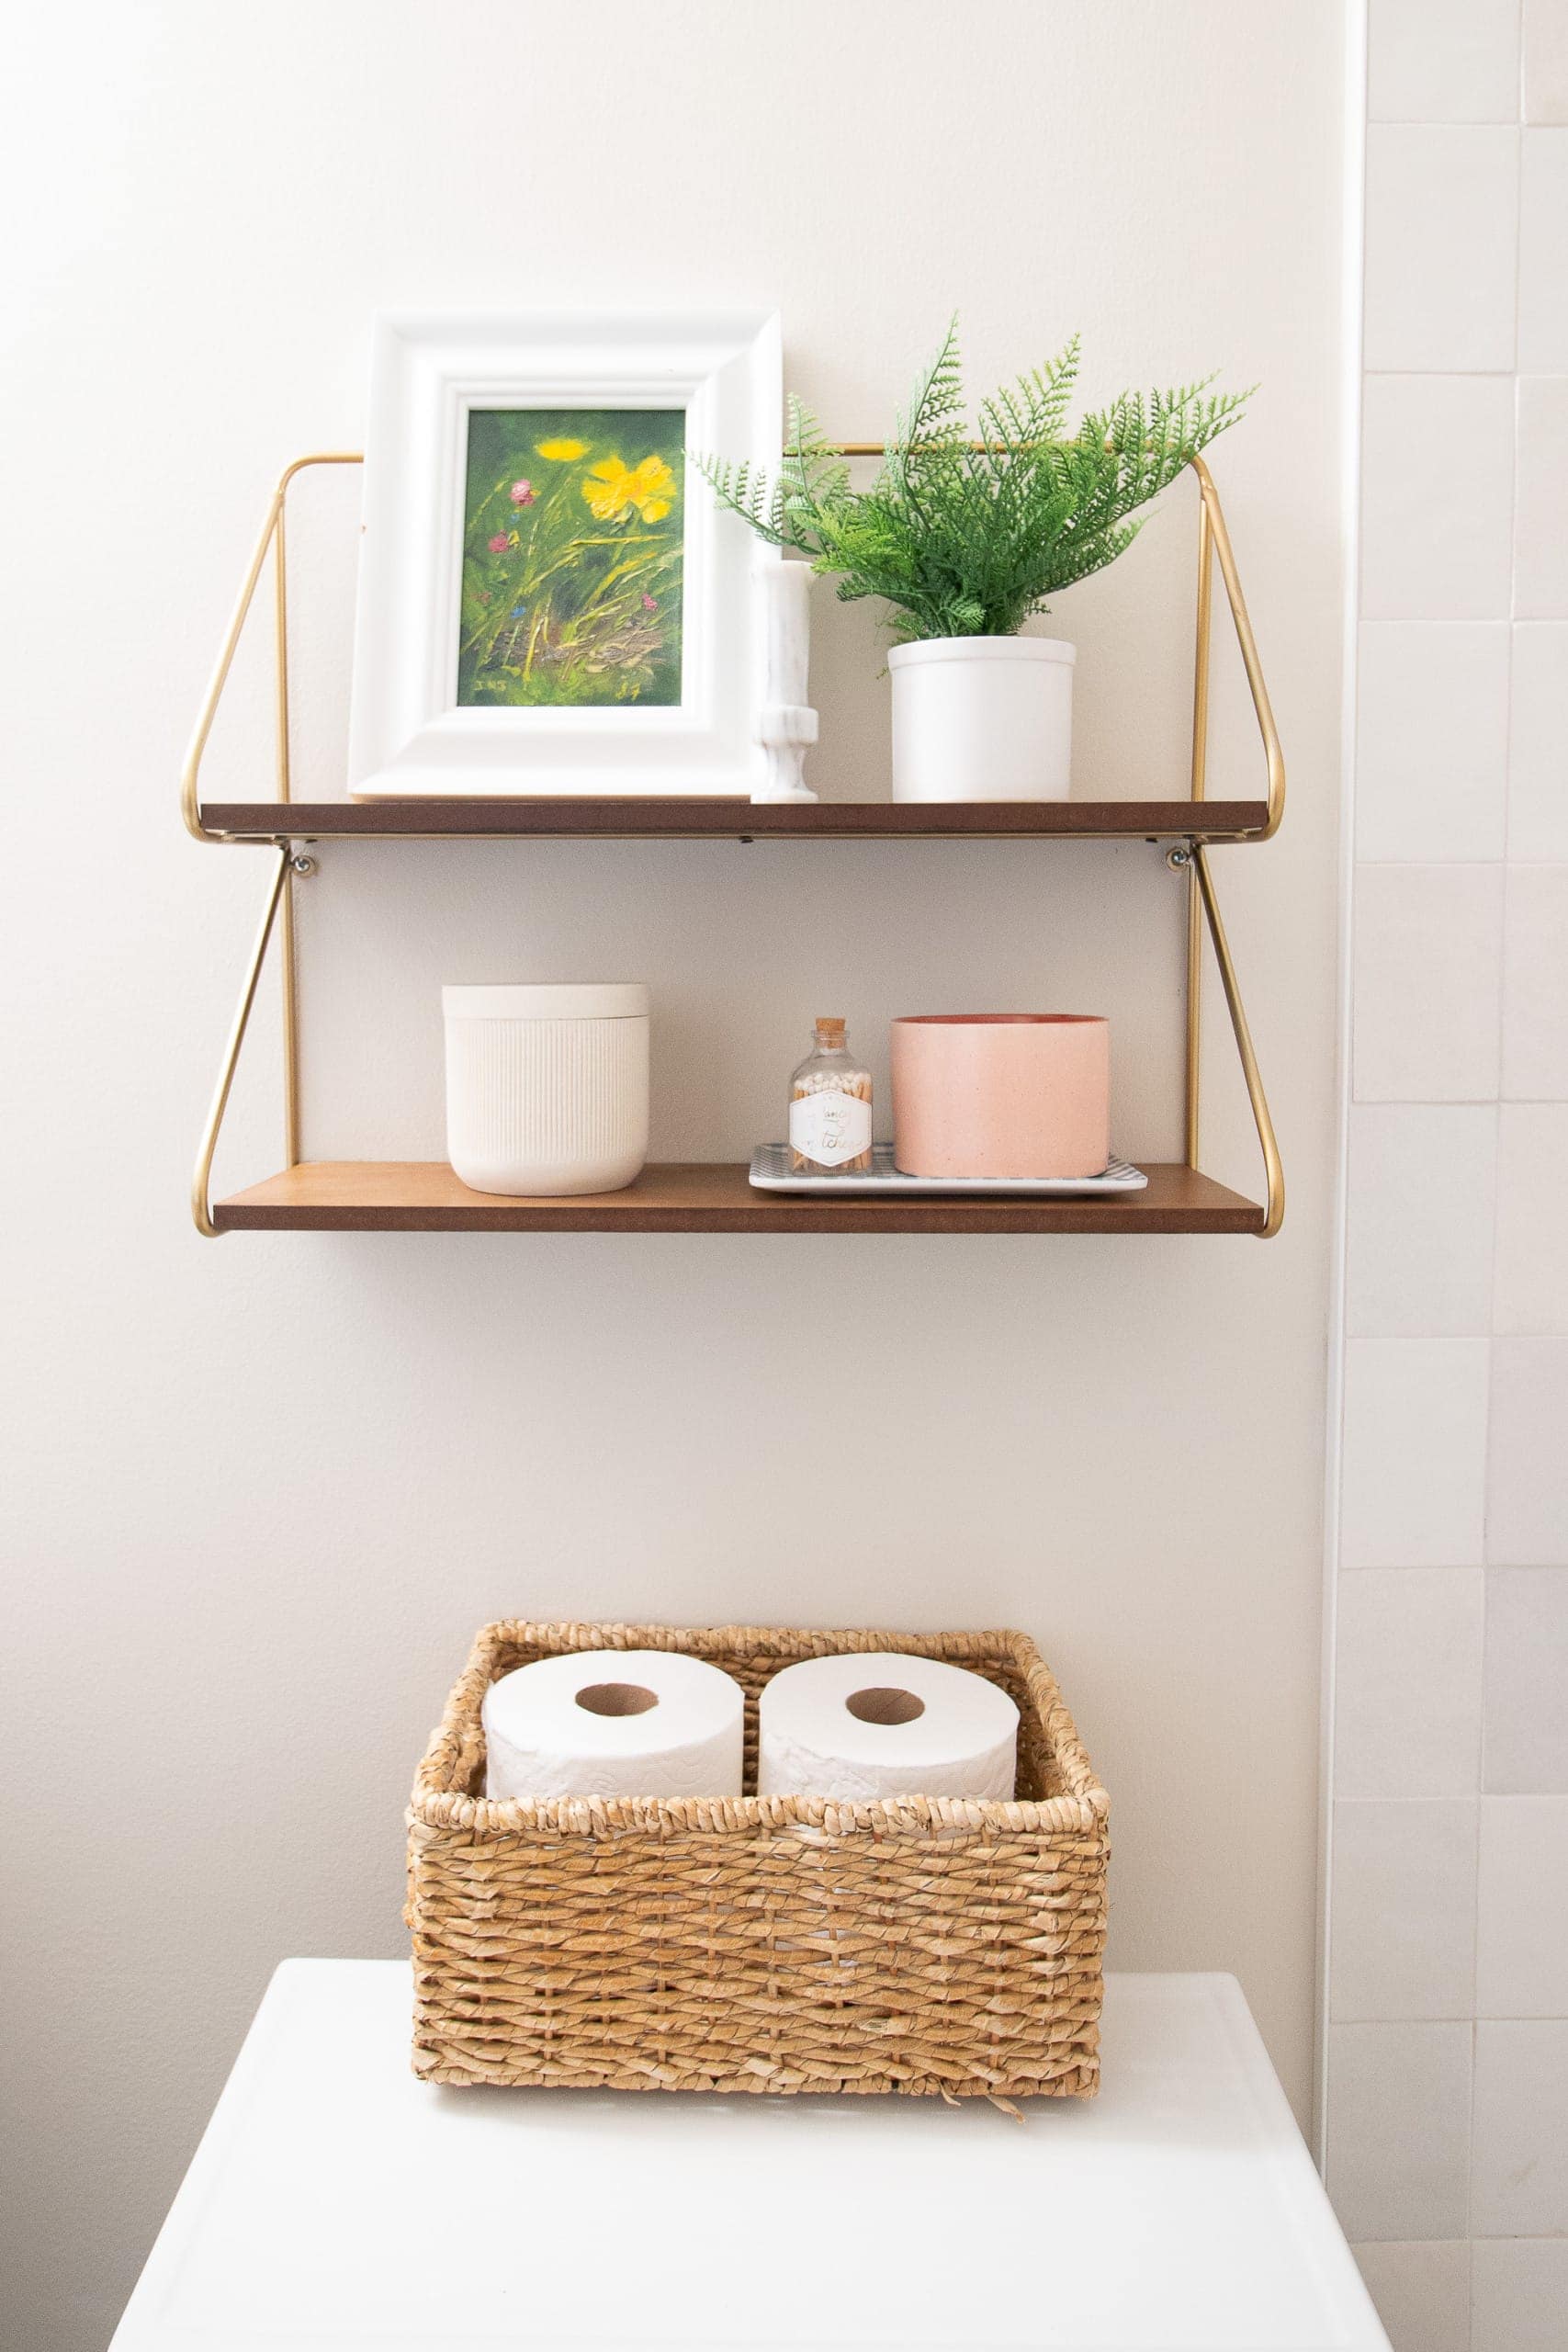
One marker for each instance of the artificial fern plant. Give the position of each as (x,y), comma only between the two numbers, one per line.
(967,535)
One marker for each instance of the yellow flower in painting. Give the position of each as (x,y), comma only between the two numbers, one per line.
(563,452)
(612,486)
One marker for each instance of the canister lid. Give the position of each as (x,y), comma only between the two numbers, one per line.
(920,649)
(542,1001)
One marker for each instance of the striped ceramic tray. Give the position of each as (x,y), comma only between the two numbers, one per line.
(770,1172)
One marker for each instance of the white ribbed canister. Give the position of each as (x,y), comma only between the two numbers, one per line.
(546,1088)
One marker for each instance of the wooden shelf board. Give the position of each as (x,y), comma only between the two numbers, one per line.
(423,1196)
(727,820)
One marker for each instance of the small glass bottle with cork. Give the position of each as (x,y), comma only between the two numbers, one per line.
(829,1108)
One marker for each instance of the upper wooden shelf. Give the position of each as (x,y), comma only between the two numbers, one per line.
(425,1196)
(727,820)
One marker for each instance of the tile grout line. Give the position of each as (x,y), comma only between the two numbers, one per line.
(1352,395)
(1497,1131)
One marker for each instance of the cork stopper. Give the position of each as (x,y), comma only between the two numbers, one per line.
(829,1029)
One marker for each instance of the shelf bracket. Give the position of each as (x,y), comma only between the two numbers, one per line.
(1202,885)
(1214,544)
(273,539)
(1202,907)
(202,1182)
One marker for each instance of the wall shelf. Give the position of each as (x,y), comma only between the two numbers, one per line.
(727,820)
(423,1196)
(368,1196)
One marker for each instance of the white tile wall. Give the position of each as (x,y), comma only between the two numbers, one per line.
(1422,2293)
(1432,731)
(1456,1317)
(1399,2129)
(1531,1281)
(1538,741)
(1522,1909)
(1546,66)
(1422,1177)
(1443,60)
(1527,1471)
(1404,1910)
(1540,516)
(1521,2295)
(1408,1698)
(1415,1462)
(1543,252)
(1519,2163)
(1525,1734)
(1438,466)
(1535,983)
(1442,202)
(1429,953)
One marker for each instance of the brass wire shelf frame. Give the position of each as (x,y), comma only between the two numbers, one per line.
(1191,854)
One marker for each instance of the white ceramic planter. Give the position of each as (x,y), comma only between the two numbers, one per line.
(982,719)
(546,1088)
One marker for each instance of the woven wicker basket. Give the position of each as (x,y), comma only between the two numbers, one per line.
(761,1943)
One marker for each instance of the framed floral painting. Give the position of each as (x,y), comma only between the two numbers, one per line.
(573,550)
(550,601)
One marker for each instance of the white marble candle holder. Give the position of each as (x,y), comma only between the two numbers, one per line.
(786,725)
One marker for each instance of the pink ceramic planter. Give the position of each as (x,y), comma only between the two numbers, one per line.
(1001,1094)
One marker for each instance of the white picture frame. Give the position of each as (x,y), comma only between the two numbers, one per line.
(410,735)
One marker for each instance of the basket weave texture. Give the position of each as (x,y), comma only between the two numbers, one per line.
(766,1944)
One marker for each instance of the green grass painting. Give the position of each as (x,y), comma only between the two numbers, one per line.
(573,537)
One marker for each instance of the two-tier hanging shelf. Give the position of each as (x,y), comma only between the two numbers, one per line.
(402,1196)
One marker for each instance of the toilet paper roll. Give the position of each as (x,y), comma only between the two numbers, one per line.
(615,1724)
(883,1725)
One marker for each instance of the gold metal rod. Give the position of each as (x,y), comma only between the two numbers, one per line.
(280,612)
(201,1201)
(190,802)
(290,979)
(879,448)
(289,976)
(1193,1119)
(288,941)
(1273,751)
(1274,1210)
(1201,653)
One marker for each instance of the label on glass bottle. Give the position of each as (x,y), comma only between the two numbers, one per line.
(830,1127)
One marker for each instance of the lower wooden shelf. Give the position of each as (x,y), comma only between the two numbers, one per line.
(644,818)
(423,1196)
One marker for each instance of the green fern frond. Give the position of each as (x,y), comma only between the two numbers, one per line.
(934,418)
(749,489)
(969,538)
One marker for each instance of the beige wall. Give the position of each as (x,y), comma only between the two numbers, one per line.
(272,1485)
